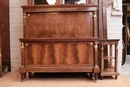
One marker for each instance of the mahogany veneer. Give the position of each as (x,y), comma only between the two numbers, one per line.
(64,37)
(59,38)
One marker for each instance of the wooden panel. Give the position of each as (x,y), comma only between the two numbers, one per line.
(60,37)
(85,53)
(4,31)
(59,54)
(52,26)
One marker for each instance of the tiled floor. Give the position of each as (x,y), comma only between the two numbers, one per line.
(125,69)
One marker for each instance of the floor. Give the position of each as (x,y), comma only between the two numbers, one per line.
(125,69)
(12,79)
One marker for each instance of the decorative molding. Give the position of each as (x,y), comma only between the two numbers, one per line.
(116,5)
(116,8)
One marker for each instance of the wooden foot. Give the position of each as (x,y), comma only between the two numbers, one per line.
(91,75)
(0,68)
(115,77)
(96,76)
(30,75)
(9,67)
(0,75)
(0,72)
(23,76)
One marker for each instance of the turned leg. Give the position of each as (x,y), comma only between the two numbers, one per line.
(9,67)
(0,65)
(115,77)
(30,75)
(91,75)
(96,76)
(23,76)
(0,74)
(0,71)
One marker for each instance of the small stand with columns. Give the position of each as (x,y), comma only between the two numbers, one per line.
(109,57)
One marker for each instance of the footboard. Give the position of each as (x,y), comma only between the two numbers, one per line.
(59,55)
(59,38)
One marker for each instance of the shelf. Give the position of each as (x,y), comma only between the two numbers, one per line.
(109,72)
(109,63)
(48,40)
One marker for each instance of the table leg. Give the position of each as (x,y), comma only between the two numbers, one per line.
(0,64)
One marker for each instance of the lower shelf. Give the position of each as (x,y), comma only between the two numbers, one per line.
(109,72)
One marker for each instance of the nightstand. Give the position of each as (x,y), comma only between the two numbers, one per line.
(109,57)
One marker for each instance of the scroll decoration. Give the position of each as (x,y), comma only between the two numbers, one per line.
(116,8)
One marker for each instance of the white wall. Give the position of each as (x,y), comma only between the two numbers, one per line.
(16,30)
(115,29)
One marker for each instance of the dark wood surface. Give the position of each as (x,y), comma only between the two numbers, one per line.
(0,60)
(58,40)
(62,37)
(4,34)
